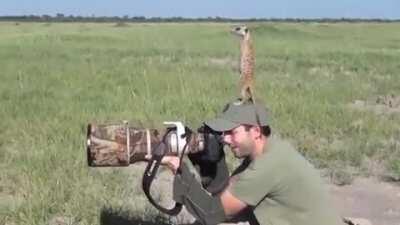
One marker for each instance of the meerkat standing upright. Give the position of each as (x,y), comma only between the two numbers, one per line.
(246,66)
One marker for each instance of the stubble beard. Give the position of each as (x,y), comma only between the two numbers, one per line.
(244,149)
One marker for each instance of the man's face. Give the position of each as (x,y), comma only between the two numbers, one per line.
(240,141)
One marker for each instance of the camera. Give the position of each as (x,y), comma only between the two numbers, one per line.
(121,144)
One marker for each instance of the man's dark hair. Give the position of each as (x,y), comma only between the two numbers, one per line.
(266,130)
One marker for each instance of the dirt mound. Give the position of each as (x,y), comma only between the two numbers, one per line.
(383,104)
(390,101)
(369,198)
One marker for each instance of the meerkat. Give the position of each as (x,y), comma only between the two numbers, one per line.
(246,63)
(246,66)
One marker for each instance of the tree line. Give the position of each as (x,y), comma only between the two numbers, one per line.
(59,17)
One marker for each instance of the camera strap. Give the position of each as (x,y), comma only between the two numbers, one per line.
(151,171)
(148,177)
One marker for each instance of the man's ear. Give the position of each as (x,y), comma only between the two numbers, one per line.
(256,130)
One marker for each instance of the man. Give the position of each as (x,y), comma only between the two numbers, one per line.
(273,185)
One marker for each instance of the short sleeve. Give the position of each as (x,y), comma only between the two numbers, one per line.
(255,183)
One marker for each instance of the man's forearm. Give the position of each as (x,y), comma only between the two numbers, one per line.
(206,208)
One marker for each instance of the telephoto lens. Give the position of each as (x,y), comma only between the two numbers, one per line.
(122,144)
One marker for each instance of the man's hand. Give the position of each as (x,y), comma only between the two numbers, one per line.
(172,162)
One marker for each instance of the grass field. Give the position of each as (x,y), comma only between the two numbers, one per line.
(55,78)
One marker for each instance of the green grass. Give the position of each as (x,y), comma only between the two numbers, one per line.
(55,78)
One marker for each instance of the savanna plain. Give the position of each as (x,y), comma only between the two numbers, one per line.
(332,89)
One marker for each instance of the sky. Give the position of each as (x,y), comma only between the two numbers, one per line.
(383,9)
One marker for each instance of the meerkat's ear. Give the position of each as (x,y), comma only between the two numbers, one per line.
(246,30)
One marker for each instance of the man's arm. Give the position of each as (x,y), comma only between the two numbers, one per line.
(232,205)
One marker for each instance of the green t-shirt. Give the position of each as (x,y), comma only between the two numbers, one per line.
(284,188)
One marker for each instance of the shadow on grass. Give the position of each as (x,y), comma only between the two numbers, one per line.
(110,216)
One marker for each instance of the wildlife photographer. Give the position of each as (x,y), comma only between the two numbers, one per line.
(274,184)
